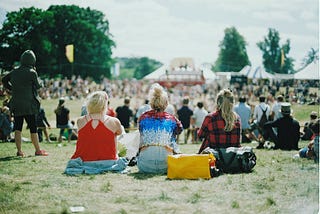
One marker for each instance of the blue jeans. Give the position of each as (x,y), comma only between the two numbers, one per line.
(153,159)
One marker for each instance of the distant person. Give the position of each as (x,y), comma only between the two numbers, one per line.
(6,124)
(184,115)
(199,114)
(24,104)
(158,134)
(63,119)
(124,114)
(42,124)
(110,111)
(222,128)
(96,148)
(307,132)
(170,109)
(142,109)
(312,150)
(275,110)
(244,112)
(261,115)
(288,135)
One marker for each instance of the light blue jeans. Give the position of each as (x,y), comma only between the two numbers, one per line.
(153,159)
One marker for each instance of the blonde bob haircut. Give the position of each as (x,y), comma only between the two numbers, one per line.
(97,102)
(225,101)
(158,97)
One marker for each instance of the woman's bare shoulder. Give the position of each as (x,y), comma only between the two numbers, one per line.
(81,122)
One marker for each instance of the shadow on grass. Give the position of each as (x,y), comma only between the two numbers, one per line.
(143,176)
(10,158)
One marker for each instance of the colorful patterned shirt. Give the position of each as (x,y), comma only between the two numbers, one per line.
(214,135)
(159,128)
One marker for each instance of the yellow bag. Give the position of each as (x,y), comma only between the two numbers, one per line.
(190,166)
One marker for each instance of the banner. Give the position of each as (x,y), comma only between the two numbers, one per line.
(69,52)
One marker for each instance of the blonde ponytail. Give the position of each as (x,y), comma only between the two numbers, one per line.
(225,101)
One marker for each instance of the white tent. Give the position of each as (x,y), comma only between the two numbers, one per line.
(156,74)
(207,73)
(259,73)
(245,70)
(311,72)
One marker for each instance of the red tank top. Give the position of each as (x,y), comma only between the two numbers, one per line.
(95,143)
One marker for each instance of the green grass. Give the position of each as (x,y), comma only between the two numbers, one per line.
(278,184)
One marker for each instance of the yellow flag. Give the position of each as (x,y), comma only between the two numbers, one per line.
(282,58)
(69,52)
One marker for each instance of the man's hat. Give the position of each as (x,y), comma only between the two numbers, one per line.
(314,113)
(286,108)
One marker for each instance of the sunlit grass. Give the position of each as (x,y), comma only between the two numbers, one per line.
(278,184)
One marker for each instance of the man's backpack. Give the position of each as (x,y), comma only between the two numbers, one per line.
(264,117)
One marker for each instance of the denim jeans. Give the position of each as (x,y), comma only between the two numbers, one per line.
(153,159)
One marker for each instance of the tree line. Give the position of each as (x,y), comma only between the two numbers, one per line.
(48,32)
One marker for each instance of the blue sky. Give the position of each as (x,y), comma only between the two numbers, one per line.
(164,29)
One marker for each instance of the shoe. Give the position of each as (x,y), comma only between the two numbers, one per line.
(21,154)
(41,153)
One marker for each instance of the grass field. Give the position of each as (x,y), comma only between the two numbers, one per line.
(278,184)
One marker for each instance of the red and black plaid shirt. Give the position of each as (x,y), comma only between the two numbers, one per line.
(214,135)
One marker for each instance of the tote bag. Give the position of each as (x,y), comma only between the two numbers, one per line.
(190,166)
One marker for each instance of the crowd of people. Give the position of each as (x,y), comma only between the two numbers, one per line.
(212,114)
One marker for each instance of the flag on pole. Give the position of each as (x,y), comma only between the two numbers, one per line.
(282,58)
(69,52)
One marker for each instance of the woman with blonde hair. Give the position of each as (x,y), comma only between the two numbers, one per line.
(222,128)
(158,133)
(96,148)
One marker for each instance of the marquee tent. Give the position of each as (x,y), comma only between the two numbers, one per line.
(311,72)
(156,74)
(259,73)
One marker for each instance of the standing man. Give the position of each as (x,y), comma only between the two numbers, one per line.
(24,104)
(198,116)
(184,115)
(124,114)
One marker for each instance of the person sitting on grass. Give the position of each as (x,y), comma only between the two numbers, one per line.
(221,128)
(96,147)
(312,150)
(158,133)
(288,134)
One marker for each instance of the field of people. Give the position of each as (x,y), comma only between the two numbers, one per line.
(279,183)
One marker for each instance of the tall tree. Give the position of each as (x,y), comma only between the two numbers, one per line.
(233,53)
(48,32)
(25,29)
(275,57)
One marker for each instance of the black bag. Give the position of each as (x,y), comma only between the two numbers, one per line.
(235,159)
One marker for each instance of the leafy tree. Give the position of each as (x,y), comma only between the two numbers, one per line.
(145,67)
(136,67)
(233,54)
(312,56)
(275,57)
(25,29)
(48,32)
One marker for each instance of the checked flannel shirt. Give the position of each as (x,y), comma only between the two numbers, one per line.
(214,135)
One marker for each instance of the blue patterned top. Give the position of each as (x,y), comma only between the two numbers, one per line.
(159,128)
